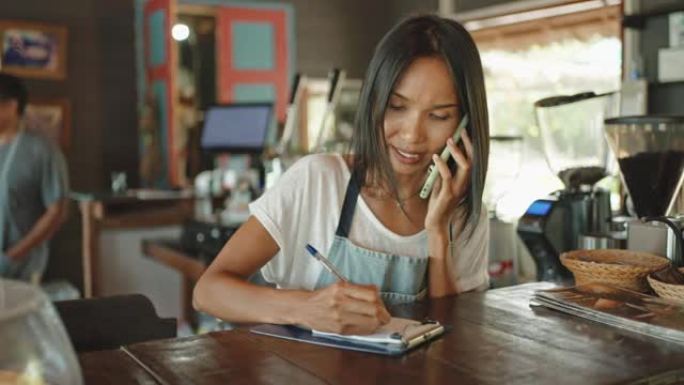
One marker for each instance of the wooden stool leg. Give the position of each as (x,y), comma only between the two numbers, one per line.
(89,245)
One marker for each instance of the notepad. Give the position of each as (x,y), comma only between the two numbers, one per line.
(395,338)
(398,331)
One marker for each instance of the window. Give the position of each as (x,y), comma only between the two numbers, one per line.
(525,62)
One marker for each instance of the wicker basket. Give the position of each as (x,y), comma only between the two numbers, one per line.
(615,267)
(667,290)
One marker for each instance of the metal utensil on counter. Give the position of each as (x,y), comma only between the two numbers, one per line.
(600,241)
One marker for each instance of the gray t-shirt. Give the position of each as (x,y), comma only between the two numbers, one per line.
(37,178)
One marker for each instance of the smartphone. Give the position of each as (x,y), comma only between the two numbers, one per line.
(445,155)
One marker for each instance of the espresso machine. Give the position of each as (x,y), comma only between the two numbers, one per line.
(572,133)
(650,153)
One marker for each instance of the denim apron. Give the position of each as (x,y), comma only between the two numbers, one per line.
(8,268)
(400,279)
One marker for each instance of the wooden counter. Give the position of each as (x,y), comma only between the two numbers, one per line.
(142,209)
(495,338)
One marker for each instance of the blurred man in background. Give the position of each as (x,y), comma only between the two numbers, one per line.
(33,189)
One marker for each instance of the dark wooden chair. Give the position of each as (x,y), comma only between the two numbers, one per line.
(110,322)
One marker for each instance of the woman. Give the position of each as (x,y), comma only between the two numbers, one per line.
(362,210)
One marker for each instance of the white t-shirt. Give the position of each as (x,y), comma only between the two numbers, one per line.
(305,207)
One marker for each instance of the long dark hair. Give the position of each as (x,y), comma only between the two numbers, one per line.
(415,37)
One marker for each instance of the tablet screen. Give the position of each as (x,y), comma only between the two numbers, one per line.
(236,127)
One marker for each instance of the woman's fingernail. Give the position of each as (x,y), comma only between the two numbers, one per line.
(450,140)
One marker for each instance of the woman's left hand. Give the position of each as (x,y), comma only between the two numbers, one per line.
(449,190)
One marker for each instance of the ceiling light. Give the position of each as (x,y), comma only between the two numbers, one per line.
(180,32)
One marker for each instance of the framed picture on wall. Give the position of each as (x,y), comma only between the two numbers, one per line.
(36,50)
(51,118)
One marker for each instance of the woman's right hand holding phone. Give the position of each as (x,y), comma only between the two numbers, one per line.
(344,308)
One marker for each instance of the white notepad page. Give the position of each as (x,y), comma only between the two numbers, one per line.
(407,329)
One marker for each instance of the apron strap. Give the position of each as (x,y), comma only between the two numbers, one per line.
(349,205)
(4,187)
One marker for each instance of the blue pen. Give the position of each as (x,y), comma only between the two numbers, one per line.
(326,263)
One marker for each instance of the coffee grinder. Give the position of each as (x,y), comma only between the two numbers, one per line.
(572,133)
(650,152)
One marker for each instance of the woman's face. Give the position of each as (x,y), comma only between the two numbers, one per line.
(421,115)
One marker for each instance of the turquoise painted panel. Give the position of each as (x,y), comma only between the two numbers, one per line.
(157,38)
(253,46)
(254,92)
(161,98)
(288,8)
